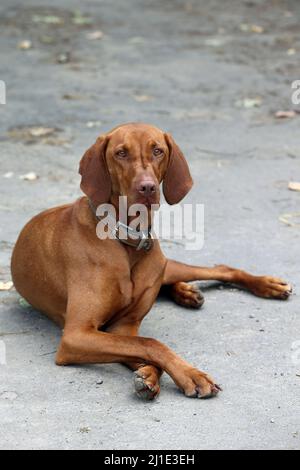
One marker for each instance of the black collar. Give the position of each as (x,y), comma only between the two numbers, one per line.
(140,240)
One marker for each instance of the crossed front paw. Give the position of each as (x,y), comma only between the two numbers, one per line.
(271,288)
(197,384)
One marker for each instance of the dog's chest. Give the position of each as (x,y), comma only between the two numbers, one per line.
(138,293)
(138,297)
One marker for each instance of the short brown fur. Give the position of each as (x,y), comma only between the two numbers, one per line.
(99,291)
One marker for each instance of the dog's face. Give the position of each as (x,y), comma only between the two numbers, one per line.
(137,159)
(133,160)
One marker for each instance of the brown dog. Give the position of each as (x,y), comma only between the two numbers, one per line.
(99,291)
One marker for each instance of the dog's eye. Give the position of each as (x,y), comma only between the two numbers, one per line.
(157,152)
(121,153)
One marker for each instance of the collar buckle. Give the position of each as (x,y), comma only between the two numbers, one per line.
(139,240)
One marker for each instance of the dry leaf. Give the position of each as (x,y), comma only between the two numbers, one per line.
(142,98)
(257,29)
(249,103)
(92,124)
(25,45)
(285,114)
(41,131)
(47,39)
(47,19)
(291,52)
(251,28)
(214,42)
(24,304)
(35,134)
(96,35)
(294,186)
(289,219)
(29,176)
(81,20)
(4,286)
(63,58)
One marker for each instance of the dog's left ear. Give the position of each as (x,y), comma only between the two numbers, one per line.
(178,181)
(96,181)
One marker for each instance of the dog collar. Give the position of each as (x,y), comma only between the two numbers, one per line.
(140,240)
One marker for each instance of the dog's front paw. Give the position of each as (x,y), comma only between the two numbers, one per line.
(199,385)
(146,383)
(271,288)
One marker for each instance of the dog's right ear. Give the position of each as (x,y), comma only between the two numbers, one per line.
(95,181)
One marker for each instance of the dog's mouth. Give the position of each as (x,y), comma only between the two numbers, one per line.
(147,201)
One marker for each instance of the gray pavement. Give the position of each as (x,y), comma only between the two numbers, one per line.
(214,74)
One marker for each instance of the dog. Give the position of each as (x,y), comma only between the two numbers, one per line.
(99,290)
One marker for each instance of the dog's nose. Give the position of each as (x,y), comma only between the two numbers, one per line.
(147,188)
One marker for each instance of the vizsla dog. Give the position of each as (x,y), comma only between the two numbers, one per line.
(99,290)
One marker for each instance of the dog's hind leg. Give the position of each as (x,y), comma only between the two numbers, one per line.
(184,294)
(262,286)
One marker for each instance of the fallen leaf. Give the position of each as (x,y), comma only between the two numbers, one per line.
(251,28)
(24,304)
(92,124)
(244,27)
(29,176)
(47,19)
(214,42)
(249,103)
(63,58)
(288,219)
(4,286)
(142,98)
(291,52)
(47,39)
(70,97)
(95,35)
(34,134)
(285,114)
(79,19)
(41,131)
(257,29)
(25,45)
(294,186)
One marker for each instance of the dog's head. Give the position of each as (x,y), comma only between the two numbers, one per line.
(133,160)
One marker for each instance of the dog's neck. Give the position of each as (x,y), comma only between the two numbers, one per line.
(140,239)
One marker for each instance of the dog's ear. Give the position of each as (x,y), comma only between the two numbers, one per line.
(95,181)
(178,181)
